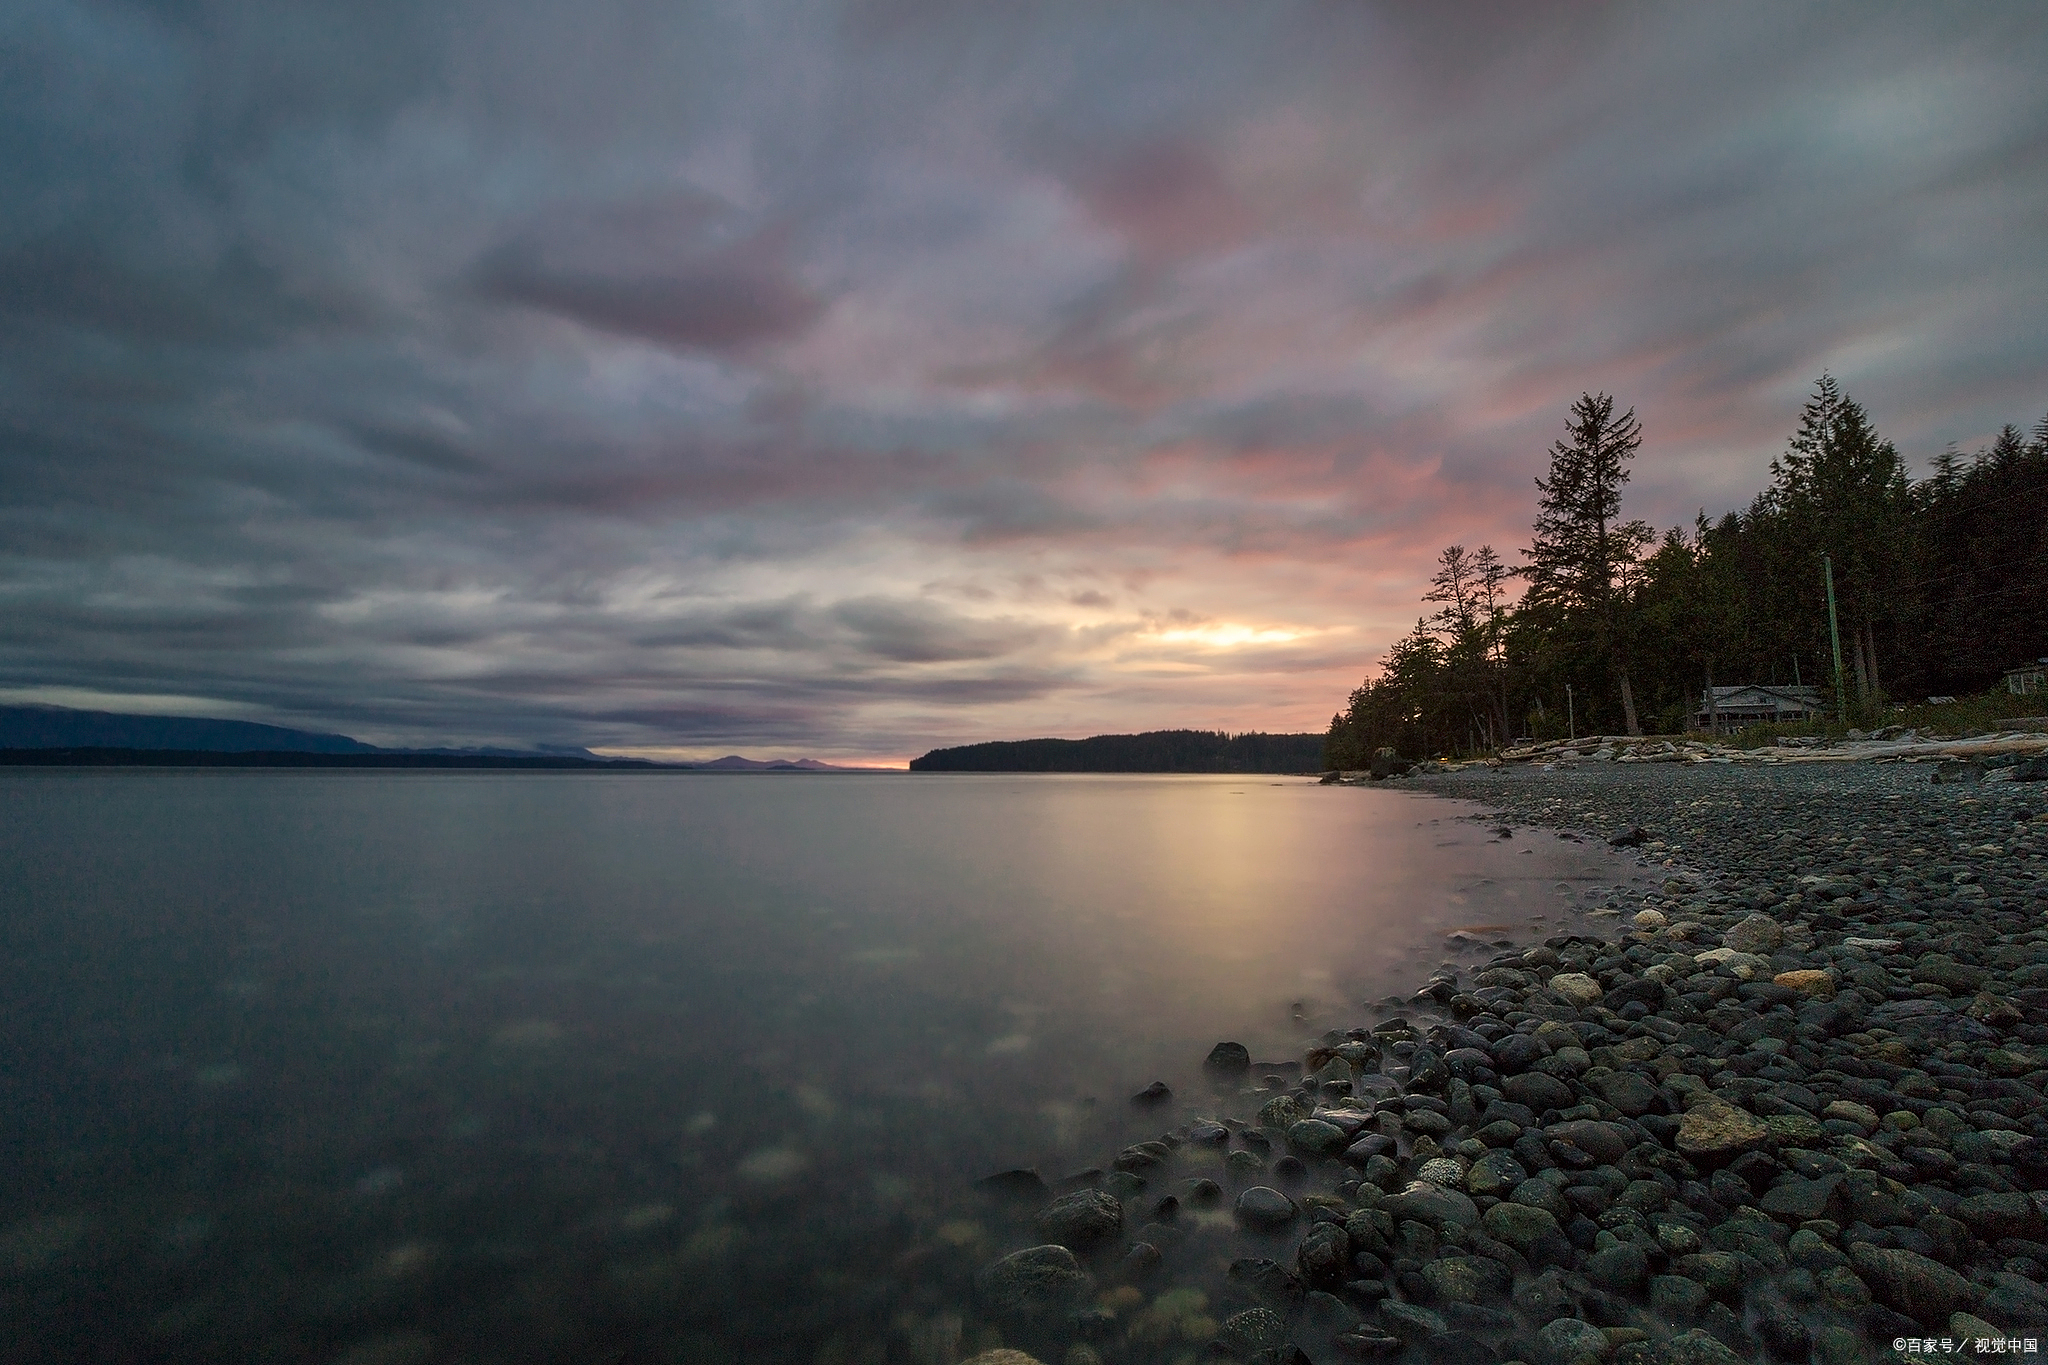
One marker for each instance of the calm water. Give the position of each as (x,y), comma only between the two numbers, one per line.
(447,1067)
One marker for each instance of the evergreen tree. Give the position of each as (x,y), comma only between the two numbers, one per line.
(1841,490)
(1583,559)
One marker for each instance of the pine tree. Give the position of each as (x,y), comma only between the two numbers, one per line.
(1583,559)
(1841,490)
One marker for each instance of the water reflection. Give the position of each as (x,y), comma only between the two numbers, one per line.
(527,1067)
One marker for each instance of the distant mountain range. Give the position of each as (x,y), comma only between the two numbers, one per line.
(62,736)
(1156,751)
(60,727)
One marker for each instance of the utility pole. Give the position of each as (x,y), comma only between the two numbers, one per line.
(1827,565)
(1571,715)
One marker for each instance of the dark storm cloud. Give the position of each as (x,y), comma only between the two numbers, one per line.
(856,376)
(657,272)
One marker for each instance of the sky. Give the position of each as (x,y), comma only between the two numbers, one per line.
(852,379)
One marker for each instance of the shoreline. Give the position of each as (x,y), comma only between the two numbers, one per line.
(1791,1109)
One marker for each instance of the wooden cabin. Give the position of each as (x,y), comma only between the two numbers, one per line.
(1731,708)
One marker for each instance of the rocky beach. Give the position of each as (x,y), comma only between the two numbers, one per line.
(1788,1106)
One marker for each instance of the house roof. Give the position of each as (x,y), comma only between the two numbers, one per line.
(1794,696)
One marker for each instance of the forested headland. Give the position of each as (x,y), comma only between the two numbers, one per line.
(1157,751)
(1940,585)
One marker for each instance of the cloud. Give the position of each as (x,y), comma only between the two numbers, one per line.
(663,272)
(861,377)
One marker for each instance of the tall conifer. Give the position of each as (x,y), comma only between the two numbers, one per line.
(1584,556)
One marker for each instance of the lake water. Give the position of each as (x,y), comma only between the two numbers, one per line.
(397,1068)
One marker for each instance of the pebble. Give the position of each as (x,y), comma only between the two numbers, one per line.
(1789,1105)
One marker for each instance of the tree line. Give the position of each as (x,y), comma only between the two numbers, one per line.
(1156,751)
(1940,585)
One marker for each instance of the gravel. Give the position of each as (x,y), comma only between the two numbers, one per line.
(1787,1106)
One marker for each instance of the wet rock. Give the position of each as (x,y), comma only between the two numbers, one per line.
(1848,1111)
(1620,1269)
(1265,1209)
(1757,934)
(1647,989)
(1367,1344)
(1466,1279)
(1677,1297)
(1909,1283)
(1036,1281)
(1228,1060)
(1724,1274)
(1139,1262)
(1431,1205)
(1798,1201)
(1996,1216)
(1252,1330)
(1496,1174)
(1367,1147)
(1282,1112)
(1518,1052)
(1317,1138)
(1411,1322)
(1627,1092)
(1082,1220)
(1696,1348)
(1808,982)
(1577,987)
(2013,1300)
(1324,1256)
(1783,1334)
(1538,1091)
(1518,1225)
(1155,1093)
(1940,969)
(1717,1132)
(1569,1340)
(1606,1143)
